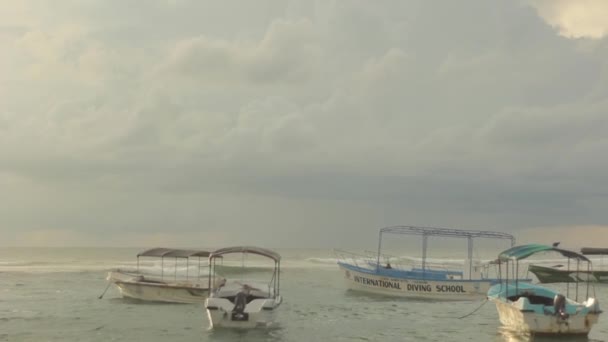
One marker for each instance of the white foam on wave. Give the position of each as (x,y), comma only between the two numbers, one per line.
(54,267)
(14,263)
(322,261)
(156,267)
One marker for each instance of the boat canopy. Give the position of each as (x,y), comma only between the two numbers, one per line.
(524,251)
(246,249)
(426,232)
(594,251)
(447,232)
(173,253)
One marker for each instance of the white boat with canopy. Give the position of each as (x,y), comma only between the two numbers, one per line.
(172,287)
(391,277)
(243,303)
(539,310)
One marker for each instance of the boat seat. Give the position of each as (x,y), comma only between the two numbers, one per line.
(248,298)
(534,299)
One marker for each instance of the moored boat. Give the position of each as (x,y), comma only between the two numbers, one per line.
(243,303)
(470,282)
(166,287)
(531,308)
(559,273)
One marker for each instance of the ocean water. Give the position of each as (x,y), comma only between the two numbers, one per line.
(51,294)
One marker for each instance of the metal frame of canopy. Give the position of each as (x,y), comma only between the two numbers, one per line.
(275,281)
(162,253)
(425,232)
(514,254)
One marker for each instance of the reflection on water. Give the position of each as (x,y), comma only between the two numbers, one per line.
(136,301)
(517,336)
(379,297)
(509,335)
(260,334)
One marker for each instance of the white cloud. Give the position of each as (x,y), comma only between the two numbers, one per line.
(575,18)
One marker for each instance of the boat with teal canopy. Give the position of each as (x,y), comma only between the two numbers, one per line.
(531,308)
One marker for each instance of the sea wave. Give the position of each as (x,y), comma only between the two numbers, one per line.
(17,263)
(158,267)
(323,261)
(52,267)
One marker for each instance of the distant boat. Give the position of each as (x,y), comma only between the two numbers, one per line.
(470,282)
(529,308)
(243,303)
(166,287)
(559,274)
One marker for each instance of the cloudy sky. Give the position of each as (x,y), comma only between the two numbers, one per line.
(300,123)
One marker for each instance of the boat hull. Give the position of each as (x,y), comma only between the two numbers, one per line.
(132,287)
(516,319)
(259,313)
(553,275)
(414,288)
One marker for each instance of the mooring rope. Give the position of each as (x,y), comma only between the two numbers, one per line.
(472,312)
(104,291)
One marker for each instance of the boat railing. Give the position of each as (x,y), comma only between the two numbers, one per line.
(169,272)
(405,263)
(356,259)
(369,259)
(394,261)
(387,260)
(157,276)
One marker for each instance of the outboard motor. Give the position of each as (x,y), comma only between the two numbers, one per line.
(559,305)
(238,312)
(240,301)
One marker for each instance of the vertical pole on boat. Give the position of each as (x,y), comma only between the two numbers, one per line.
(211,261)
(187,267)
(199,268)
(578,262)
(500,272)
(424,245)
(589,277)
(277,284)
(516,277)
(162,267)
(243,265)
(507,282)
(568,283)
(379,249)
(470,254)
(513,274)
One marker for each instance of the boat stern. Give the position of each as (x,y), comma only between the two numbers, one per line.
(522,316)
(257,313)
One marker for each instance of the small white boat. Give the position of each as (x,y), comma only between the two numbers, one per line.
(166,287)
(470,281)
(530,308)
(239,303)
